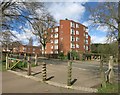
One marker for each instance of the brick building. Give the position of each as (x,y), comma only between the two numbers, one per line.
(68,36)
(19,48)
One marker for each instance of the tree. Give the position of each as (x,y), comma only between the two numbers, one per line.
(107,14)
(43,27)
(18,11)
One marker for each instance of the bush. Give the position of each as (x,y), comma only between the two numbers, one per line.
(74,55)
(61,56)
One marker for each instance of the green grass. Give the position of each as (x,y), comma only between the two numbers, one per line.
(110,88)
(2,67)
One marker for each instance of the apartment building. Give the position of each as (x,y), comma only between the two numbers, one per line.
(68,36)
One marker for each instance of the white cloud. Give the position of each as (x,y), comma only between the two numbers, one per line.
(68,10)
(97,39)
(24,36)
(102,28)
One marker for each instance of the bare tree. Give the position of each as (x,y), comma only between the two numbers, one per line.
(12,10)
(42,28)
(107,14)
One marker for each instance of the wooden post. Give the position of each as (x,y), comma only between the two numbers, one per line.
(102,73)
(69,73)
(44,75)
(36,59)
(24,56)
(29,66)
(6,61)
(111,74)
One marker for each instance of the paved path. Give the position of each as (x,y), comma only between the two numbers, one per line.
(13,83)
(84,78)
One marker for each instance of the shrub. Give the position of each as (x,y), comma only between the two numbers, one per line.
(61,56)
(74,55)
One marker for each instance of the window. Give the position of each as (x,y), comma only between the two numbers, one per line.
(72,45)
(51,52)
(72,24)
(24,48)
(56,41)
(56,29)
(86,35)
(51,47)
(72,38)
(77,25)
(56,35)
(77,46)
(73,31)
(86,41)
(77,32)
(77,39)
(51,36)
(33,49)
(56,52)
(86,47)
(56,46)
(51,41)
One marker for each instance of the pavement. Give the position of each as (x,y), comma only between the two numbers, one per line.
(12,83)
(85,78)
(82,79)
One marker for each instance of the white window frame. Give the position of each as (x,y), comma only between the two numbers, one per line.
(51,47)
(77,45)
(77,32)
(51,52)
(51,35)
(55,46)
(72,31)
(77,25)
(87,48)
(56,41)
(56,29)
(56,52)
(56,35)
(77,38)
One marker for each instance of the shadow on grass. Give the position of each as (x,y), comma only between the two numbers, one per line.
(73,81)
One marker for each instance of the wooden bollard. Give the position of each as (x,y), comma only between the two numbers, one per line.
(29,66)
(69,74)
(111,74)
(102,74)
(36,59)
(44,74)
(6,61)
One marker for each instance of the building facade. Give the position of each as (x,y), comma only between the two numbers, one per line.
(68,36)
(22,49)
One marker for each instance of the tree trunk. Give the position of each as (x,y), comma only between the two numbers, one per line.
(119,34)
(44,51)
(6,61)
(36,59)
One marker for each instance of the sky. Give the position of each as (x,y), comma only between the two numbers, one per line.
(73,11)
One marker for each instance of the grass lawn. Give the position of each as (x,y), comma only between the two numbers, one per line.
(110,88)
(2,67)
